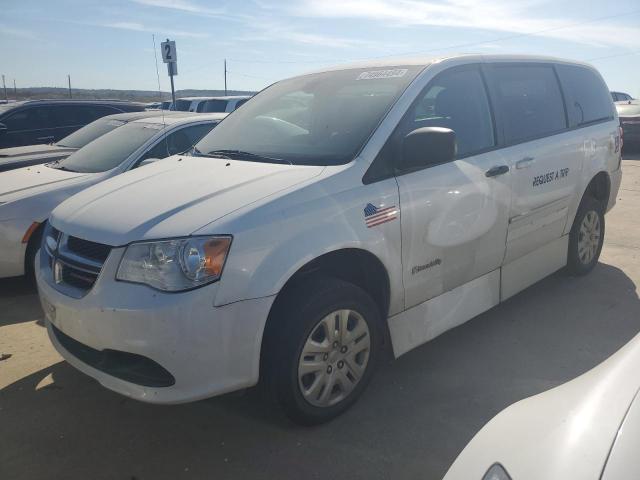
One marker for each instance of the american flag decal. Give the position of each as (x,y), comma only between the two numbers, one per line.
(375,216)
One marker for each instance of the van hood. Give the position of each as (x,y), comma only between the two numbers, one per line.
(171,198)
(23,182)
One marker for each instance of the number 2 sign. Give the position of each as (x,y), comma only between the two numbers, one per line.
(169,54)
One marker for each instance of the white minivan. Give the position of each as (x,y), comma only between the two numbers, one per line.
(334,213)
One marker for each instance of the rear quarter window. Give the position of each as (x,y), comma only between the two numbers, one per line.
(586,94)
(529,101)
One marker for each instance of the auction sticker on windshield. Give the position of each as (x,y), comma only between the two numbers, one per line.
(393,73)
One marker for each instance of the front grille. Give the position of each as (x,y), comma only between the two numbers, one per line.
(74,262)
(77,277)
(85,248)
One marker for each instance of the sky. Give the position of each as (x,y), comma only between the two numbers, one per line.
(109,43)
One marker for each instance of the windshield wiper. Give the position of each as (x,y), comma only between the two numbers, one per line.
(56,164)
(242,155)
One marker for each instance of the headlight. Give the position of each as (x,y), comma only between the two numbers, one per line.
(496,472)
(175,265)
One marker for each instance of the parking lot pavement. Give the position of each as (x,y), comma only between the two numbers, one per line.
(414,419)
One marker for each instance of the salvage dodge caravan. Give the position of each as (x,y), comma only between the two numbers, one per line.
(332,214)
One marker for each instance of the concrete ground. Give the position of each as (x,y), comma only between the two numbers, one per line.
(416,416)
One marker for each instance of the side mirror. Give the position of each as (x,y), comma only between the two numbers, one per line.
(427,146)
(148,161)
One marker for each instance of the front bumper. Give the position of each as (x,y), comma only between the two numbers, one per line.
(207,350)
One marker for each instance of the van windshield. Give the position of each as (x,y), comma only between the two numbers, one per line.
(111,149)
(318,119)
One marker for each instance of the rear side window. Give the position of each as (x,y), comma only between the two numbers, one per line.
(182,105)
(212,106)
(32,118)
(587,97)
(529,101)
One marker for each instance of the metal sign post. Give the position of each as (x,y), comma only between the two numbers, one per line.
(170,57)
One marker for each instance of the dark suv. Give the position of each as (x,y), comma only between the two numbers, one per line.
(46,121)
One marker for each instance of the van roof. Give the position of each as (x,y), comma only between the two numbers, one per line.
(428,60)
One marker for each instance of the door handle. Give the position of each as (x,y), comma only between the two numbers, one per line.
(495,171)
(526,162)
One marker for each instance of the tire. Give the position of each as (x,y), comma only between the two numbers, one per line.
(30,255)
(583,251)
(300,324)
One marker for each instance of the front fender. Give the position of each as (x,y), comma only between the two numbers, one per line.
(264,257)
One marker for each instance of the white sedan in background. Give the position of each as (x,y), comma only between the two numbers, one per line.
(586,429)
(28,195)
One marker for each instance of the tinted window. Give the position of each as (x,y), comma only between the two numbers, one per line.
(182,105)
(73,115)
(33,118)
(456,100)
(241,102)
(89,133)
(212,106)
(179,141)
(111,149)
(529,101)
(586,95)
(318,119)
(98,111)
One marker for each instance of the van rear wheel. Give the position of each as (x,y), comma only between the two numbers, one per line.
(325,352)
(586,237)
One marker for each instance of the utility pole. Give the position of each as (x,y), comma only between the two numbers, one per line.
(5,89)
(69,78)
(225,77)
(15,90)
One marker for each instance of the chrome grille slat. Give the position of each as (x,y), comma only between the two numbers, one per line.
(74,262)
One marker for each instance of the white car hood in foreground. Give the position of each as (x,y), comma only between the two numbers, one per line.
(22,182)
(172,197)
(565,433)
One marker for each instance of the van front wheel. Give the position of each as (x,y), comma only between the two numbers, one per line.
(326,351)
(586,237)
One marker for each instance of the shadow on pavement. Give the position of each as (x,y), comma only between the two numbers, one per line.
(414,419)
(18,301)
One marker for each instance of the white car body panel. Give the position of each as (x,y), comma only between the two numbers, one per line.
(567,432)
(217,187)
(281,217)
(28,195)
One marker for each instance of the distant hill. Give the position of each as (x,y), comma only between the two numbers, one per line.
(103,94)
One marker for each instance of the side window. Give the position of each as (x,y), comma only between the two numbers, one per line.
(586,95)
(34,118)
(614,96)
(624,97)
(178,141)
(241,102)
(73,115)
(529,101)
(212,106)
(456,100)
(99,111)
